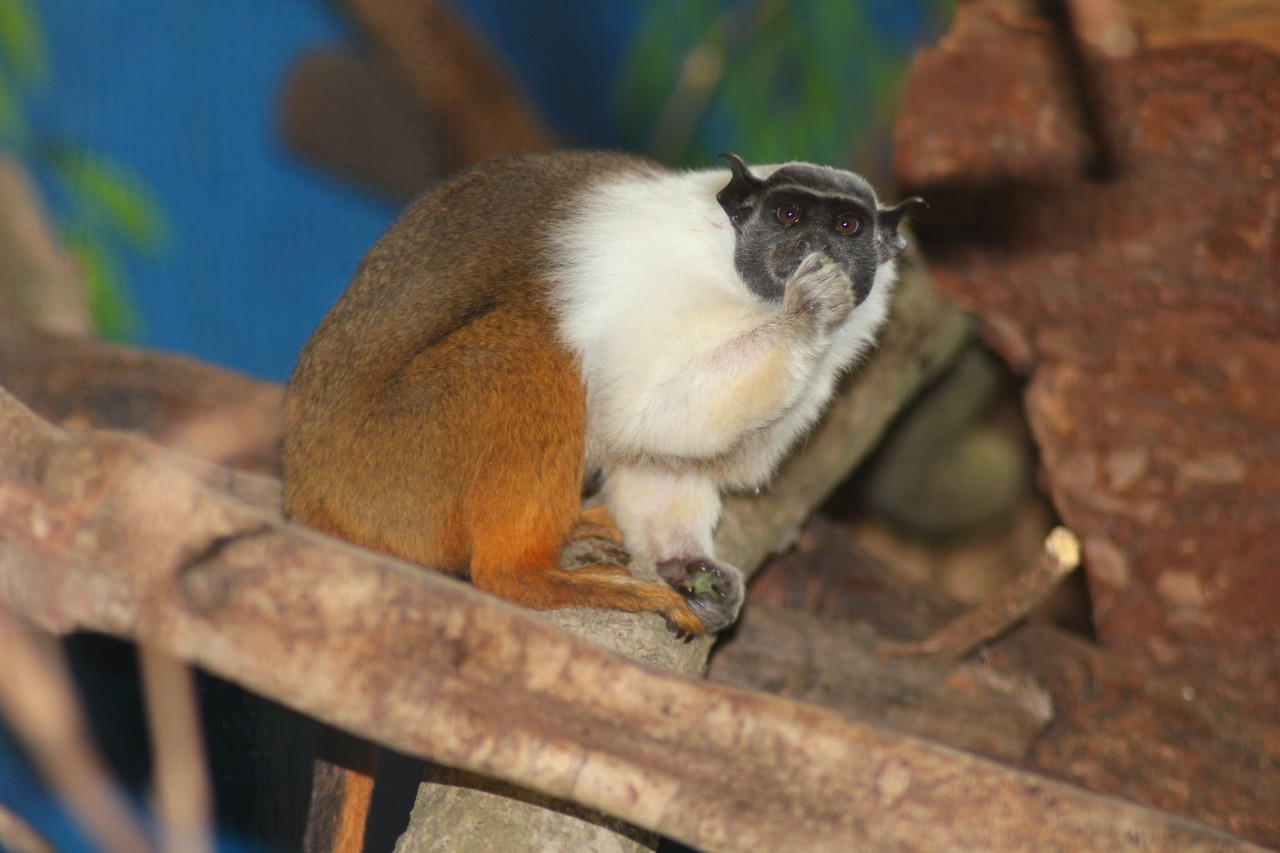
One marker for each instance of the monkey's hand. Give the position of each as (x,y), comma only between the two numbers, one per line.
(819,290)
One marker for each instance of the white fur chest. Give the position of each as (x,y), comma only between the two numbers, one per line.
(684,366)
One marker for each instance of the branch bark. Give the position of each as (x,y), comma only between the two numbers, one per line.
(455,76)
(431,667)
(348,112)
(219,416)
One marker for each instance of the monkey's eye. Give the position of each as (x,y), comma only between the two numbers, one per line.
(788,214)
(847,224)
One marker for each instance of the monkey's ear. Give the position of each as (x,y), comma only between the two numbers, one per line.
(739,198)
(889,243)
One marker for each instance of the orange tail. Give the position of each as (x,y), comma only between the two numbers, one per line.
(341,791)
(520,562)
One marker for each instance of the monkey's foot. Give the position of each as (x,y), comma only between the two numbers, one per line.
(588,550)
(713,590)
(595,538)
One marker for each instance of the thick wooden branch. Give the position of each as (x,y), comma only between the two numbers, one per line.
(432,667)
(211,413)
(838,665)
(348,112)
(454,75)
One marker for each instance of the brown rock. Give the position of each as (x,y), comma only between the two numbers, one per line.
(1145,305)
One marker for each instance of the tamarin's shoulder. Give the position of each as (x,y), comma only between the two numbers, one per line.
(538,185)
(493,218)
(547,230)
(479,236)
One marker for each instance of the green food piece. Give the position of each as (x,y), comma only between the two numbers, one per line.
(703,583)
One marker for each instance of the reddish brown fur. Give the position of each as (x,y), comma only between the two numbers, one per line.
(341,793)
(434,414)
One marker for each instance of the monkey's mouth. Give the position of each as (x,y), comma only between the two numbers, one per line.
(784,268)
(768,279)
(773,287)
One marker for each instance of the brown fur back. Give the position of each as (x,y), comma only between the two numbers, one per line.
(439,369)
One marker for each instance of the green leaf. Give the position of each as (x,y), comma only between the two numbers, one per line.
(109,309)
(22,42)
(15,133)
(111,197)
(810,80)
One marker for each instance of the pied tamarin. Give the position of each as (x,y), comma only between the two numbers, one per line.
(542,318)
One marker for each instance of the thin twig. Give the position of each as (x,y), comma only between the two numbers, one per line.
(18,836)
(988,620)
(181,777)
(38,700)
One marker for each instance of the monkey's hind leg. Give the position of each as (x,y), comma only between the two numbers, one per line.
(668,517)
(524,496)
(594,539)
(596,522)
(520,562)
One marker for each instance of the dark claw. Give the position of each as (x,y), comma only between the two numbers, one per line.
(680,633)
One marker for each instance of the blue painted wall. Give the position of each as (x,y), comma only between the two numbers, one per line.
(182,94)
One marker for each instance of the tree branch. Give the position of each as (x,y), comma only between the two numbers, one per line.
(38,698)
(431,667)
(454,75)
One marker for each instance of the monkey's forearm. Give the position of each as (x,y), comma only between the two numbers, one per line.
(713,397)
(702,402)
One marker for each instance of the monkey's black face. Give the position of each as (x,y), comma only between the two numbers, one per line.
(791,224)
(801,209)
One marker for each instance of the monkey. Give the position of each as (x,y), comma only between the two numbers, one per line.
(543,317)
